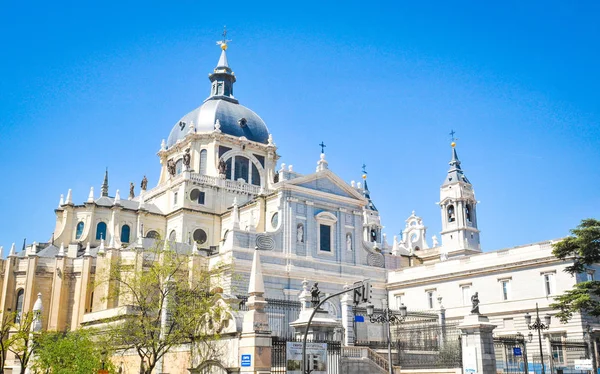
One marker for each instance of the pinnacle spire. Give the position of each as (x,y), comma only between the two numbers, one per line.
(104,188)
(257,285)
(455,174)
(222,78)
(366,193)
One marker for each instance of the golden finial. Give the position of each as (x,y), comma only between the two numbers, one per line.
(364,176)
(224,41)
(453,144)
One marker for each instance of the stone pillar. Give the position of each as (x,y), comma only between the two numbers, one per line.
(348,318)
(58,297)
(8,285)
(442,323)
(255,342)
(478,345)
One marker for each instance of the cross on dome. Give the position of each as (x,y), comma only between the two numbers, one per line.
(322,145)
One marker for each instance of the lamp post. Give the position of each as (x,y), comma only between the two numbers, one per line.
(387,317)
(539,326)
(591,351)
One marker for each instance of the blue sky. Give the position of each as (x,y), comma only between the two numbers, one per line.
(382,83)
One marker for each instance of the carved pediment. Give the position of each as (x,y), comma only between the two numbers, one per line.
(326,182)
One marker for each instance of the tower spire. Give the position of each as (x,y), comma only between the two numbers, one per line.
(366,193)
(222,78)
(455,174)
(104,188)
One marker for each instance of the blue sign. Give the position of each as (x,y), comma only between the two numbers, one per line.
(246,360)
(359,318)
(517,351)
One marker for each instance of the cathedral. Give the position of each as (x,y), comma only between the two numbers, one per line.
(221,194)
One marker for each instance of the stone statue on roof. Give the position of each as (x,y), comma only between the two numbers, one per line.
(131,190)
(187,159)
(222,167)
(171,167)
(144,183)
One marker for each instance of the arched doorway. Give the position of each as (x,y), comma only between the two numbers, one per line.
(209,367)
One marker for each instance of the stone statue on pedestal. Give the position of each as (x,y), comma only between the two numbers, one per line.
(314,293)
(475,302)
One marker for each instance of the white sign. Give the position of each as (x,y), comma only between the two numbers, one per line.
(470,360)
(316,357)
(583,364)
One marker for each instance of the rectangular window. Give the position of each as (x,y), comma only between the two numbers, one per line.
(201,197)
(398,299)
(175,198)
(505,289)
(430,299)
(549,284)
(466,295)
(558,353)
(325,237)
(589,275)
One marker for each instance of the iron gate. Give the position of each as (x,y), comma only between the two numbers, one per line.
(511,355)
(279,360)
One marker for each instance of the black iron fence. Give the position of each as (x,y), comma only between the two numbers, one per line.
(419,342)
(280,314)
(281,365)
(511,355)
(565,352)
(428,346)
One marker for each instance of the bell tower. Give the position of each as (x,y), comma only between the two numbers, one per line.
(458,205)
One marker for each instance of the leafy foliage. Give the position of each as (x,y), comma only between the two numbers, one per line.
(8,323)
(169,303)
(583,248)
(22,341)
(75,352)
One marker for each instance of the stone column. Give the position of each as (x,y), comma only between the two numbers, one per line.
(255,342)
(478,345)
(348,318)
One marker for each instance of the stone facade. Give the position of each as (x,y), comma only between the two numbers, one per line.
(220,188)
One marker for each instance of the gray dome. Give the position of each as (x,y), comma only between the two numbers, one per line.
(235,119)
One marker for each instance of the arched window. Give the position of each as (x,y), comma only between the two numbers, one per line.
(203,155)
(200,236)
(373,235)
(197,196)
(255,176)
(451,217)
(468,212)
(240,167)
(179,166)
(172,236)
(79,230)
(152,234)
(101,231)
(125,231)
(19,305)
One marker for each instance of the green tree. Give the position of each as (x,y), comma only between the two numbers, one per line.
(582,248)
(22,341)
(8,323)
(73,352)
(169,302)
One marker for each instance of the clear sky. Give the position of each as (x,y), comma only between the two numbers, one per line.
(381,83)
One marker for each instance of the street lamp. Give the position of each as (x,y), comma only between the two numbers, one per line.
(387,317)
(539,326)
